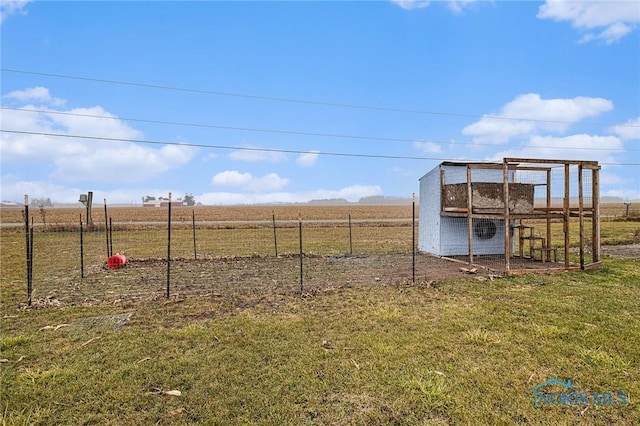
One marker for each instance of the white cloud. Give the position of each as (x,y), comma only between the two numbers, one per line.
(586,147)
(536,114)
(247,182)
(83,158)
(121,162)
(351,193)
(427,147)
(268,183)
(629,130)
(458,6)
(11,7)
(411,4)
(231,178)
(35,94)
(308,159)
(255,154)
(613,19)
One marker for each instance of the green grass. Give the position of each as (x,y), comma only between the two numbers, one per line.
(461,352)
(454,352)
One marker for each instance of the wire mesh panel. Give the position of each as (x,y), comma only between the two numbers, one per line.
(517,215)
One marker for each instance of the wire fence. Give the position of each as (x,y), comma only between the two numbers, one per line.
(68,262)
(109,260)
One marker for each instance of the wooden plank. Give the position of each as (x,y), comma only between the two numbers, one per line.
(580,215)
(547,161)
(595,223)
(566,214)
(507,221)
(548,205)
(442,191)
(469,217)
(594,265)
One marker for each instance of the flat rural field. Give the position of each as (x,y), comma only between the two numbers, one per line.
(242,341)
(211,213)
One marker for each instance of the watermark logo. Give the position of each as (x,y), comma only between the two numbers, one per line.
(568,395)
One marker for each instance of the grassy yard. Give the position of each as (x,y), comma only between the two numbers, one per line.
(457,351)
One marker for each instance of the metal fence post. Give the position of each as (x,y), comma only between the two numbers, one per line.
(169,248)
(301,253)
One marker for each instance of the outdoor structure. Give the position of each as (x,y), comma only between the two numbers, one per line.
(520,214)
(148,201)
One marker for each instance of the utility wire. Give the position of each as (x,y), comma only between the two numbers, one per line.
(303,101)
(235,148)
(288,132)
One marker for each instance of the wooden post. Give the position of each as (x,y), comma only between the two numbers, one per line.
(566,214)
(469,215)
(507,220)
(81,249)
(595,223)
(413,235)
(581,215)
(548,206)
(443,193)
(89,208)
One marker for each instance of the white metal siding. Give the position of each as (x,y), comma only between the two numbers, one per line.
(447,236)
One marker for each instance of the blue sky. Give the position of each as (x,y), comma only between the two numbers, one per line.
(249,102)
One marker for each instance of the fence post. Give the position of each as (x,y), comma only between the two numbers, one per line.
(169,248)
(30,274)
(106,227)
(350,236)
(301,253)
(110,237)
(413,234)
(28,247)
(193,222)
(81,249)
(275,238)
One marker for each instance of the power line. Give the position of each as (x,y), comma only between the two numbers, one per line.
(288,132)
(236,148)
(302,101)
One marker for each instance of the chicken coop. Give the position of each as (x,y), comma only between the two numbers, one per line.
(510,216)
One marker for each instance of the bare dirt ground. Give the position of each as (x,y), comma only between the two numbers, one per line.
(250,280)
(247,280)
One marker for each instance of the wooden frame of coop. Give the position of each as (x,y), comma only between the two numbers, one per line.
(529,211)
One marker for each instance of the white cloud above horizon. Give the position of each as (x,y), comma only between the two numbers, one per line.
(351,193)
(529,114)
(75,156)
(427,147)
(629,130)
(35,94)
(12,7)
(270,182)
(411,4)
(612,20)
(308,159)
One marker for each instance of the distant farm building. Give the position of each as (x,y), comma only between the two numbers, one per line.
(148,201)
(512,215)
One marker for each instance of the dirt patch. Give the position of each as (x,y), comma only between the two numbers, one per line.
(244,280)
(627,251)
